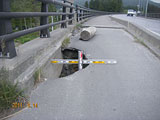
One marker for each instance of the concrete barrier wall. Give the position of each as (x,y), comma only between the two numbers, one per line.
(149,38)
(34,58)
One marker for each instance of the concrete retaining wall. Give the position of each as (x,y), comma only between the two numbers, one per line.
(34,58)
(149,38)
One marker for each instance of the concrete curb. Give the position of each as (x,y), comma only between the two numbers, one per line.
(147,37)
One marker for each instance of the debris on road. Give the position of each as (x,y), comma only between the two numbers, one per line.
(87,33)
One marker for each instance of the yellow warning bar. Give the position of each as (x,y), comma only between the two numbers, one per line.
(54,61)
(73,62)
(98,62)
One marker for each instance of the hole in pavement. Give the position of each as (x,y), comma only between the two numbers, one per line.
(68,69)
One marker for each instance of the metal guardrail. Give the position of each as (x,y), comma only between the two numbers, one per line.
(151,15)
(7,36)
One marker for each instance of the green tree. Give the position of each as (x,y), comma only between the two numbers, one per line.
(153,9)
(91,4)
(106,5)
(27,6)
(96,4)
(86,4)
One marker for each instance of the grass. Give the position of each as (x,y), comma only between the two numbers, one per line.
(54,28)
(78,26)
(27,38)
(141,42)
(9,94)
(37,76)
(66,42)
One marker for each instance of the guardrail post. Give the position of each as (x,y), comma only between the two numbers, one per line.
(43,21)
(77,15)
(7,49)
(64,25)
(89,13)
(83,14)
(80,14)
(71,16)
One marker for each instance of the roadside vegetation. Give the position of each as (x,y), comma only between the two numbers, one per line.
(105,5)
(65,42)
(121,6)
(27,38)
(38,77)
(9,92)
(35,6)
(19,24)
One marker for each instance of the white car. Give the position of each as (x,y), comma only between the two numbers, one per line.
(131,12)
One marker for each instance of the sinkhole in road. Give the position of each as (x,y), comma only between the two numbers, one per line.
(71,53)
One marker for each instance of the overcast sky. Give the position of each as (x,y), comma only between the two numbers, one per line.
(157,1)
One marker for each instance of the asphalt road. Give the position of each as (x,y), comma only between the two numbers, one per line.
(129,90)
(151,24)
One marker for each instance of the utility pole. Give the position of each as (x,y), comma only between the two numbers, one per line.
(142,7)
(139,5)
(146,8)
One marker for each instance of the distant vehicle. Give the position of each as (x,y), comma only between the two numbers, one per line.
(131,12)
(138,13)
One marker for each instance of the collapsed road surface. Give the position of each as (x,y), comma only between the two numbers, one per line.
(129,90)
